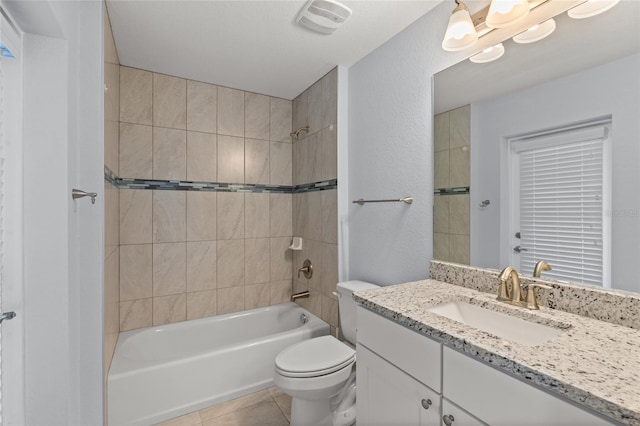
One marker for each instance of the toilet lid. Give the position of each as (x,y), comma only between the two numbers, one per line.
(314,357)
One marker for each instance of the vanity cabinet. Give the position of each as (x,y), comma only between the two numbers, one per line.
(400,371)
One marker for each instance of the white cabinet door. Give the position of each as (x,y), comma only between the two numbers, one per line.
(502,400)
(388,396)
(452,415)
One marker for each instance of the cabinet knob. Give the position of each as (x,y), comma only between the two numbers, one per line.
(426,403)
(448,419)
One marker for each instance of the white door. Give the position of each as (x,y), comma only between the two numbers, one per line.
(11,280)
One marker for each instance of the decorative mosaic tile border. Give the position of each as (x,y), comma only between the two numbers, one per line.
(452,191)
(180,185)
(614,306)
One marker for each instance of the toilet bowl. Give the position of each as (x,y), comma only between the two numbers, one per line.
(319,373)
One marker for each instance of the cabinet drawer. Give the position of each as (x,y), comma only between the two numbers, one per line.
(417,355)
(499,399)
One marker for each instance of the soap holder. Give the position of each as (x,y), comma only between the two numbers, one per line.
(296,244)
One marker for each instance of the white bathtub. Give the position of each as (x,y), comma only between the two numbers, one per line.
(162,372)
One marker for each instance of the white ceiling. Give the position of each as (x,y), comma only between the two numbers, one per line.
(577,44)
(250,45)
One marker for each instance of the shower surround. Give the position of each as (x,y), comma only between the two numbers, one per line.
(192,254)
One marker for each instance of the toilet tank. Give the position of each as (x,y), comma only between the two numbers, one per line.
(347,306)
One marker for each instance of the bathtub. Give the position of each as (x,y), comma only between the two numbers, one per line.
(162,372)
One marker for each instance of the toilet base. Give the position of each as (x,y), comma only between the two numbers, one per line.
(306,412)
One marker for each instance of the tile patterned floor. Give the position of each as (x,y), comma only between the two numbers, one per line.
(268,407)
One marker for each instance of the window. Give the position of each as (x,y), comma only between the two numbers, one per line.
(559,183)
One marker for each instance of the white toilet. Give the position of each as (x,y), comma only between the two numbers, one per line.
(318,373)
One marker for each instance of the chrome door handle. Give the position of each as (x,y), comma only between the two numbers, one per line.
(78,193)
(518,249)
(7,316)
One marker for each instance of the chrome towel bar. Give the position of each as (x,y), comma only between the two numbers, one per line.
(406,200)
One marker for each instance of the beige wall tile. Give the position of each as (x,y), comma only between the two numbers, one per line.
(202,304)
(169,154)
(441,246)
(313,303)
(230,112)
(169,309)
(136,151)
(169,269)
(281,215)
(257,295)
(230,300)
(314,215)
(201,265)
(330,310)
(300,112)
(202,105)
(256,116)
(329,209)
(460,127)
(230,159)
(459,167)
(230,260)
(300,216)
(230,216)
(441,169)
(201,215)
(441,132)
(295,154)
(330,98)
(329,268)
(280,127)
(441,213)
(459,249)
(135,272)
(110,51)
(280,291)
(136,314)
(256,215)
(257,260)
(314,158)
(135,216)
(169,101)
(169,216)
(256,161)
(135,95)
(315,107)
(301,161)
(459,214)
(281,259)
(112,216)
(329,154)
(112,291)
(202,159)
(111,145)
(311,250)
(280,163)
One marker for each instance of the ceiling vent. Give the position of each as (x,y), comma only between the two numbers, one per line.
(323,16)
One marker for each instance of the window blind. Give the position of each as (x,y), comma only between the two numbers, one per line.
(561,204)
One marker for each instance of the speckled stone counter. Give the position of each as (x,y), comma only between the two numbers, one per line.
(592,362)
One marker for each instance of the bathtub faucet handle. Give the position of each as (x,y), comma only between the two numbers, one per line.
(307,269)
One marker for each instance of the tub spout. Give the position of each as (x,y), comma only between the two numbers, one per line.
(299,295)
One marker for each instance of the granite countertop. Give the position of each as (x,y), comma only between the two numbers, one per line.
(594,363)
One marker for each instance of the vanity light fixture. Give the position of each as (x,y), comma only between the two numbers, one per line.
(503,13)
(591,8)
(461,33)
(537,32)
(488,55)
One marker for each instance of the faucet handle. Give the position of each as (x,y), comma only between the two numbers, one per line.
(532,301)
(503,291)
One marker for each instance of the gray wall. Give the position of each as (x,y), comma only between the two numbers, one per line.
(391,152)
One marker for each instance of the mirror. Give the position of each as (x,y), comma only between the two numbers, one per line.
(584,76)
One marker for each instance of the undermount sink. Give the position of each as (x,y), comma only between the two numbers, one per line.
(508,327)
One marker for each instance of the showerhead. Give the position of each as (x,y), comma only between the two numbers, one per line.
(295,135)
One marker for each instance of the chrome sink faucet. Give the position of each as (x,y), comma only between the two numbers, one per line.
(514,295)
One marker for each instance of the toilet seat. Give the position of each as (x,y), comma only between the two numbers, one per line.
(314,357)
